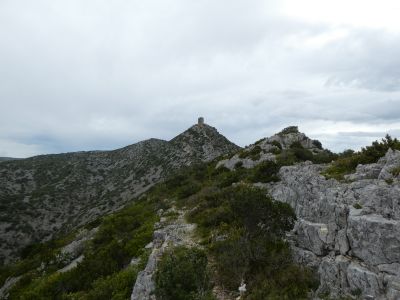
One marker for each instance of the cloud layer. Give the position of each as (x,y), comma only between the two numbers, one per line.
(81,75)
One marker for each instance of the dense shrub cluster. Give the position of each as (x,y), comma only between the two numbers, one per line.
(244,230)
(182,275)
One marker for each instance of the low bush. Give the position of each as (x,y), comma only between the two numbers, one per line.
(253,249)
(182,275)
(303,154)
(276,144)
(317,144)
(265,172)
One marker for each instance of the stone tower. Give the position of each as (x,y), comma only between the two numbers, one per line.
(200,121)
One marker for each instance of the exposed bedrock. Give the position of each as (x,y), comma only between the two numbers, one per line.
(349,231)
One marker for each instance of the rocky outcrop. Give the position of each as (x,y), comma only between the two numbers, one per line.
(349,231)
(167,234)
(267,148)
(8,284)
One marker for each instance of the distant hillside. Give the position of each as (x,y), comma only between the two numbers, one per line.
(49,194)
(8,158)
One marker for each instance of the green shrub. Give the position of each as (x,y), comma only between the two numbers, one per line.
(254,250)
(116,287)
(324,157)
(228,178)
(389,181)
(265,172)
(182,275)
(276,144)
(356,292)
(188,189)
(239,165)
(212,217)
(243,154)
(258,212)
(289,282)
(232,258)
(317,144)
(296,145)
(303,154)
(348,161)
(286,158)
(276,151)
(290,129)
(357,206)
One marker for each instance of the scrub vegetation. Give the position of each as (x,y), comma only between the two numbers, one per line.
(349,160)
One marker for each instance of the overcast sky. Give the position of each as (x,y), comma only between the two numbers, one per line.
(96,74)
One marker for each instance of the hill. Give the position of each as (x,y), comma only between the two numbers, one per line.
(283,218)
(51,194)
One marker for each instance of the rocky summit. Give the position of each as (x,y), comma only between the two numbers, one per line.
(52,194)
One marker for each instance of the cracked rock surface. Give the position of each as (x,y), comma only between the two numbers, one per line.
(354,250)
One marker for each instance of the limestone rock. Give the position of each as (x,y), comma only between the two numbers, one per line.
(353,250)
(374,239)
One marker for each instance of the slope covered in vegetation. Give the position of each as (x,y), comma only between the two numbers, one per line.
(242,232)
(44,196)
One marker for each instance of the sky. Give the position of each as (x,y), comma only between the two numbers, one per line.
(98,75)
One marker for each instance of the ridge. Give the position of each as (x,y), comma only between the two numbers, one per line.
(46,195)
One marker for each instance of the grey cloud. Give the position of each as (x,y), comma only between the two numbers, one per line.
(99,75)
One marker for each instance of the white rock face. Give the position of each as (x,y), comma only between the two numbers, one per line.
(354,250)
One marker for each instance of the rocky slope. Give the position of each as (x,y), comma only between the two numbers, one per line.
(50,194)
(168,234)
(349,231)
